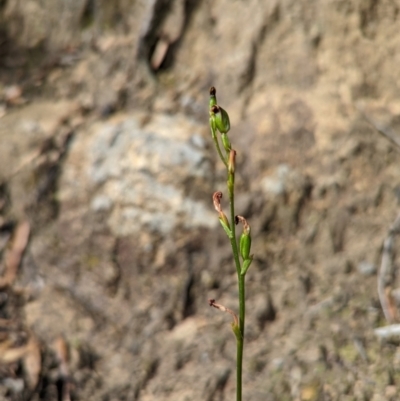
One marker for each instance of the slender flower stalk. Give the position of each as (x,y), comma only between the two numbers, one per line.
(219,123)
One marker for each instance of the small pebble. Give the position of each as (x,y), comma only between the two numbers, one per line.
(366,268)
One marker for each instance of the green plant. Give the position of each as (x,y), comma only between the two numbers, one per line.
(219,122)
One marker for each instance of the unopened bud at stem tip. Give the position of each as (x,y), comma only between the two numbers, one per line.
(213,98)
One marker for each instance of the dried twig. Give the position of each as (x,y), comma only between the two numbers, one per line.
(384,130)
(26,161)
(385,273)
(388,332)
(32,362)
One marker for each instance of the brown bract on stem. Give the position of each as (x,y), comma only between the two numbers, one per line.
(217,196)
(232,161)
(217,204)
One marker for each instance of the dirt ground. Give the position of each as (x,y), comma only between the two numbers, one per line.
(109,244)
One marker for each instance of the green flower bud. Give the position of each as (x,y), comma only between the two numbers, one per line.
(245,245)
(221,119)
(245,238)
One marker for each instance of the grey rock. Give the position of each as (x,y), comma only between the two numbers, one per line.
(141,174)
(14,385)
(366,268)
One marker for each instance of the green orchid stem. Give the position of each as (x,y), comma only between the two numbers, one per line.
(215,139)
(241,283)
(240,341)
(219,121)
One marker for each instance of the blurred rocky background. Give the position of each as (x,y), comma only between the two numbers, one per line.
(109,244)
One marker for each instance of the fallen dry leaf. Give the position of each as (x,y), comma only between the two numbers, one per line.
(60,347)
(61,350)
(13,256)
(9,354)
(32,362)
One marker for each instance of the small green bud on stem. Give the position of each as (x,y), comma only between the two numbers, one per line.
(221,118)
(245,238)
(231,171)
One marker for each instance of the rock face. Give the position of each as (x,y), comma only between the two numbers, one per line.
(155,175)
(105,151)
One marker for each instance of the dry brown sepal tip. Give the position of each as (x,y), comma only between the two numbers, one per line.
(217,196)
(222,308)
